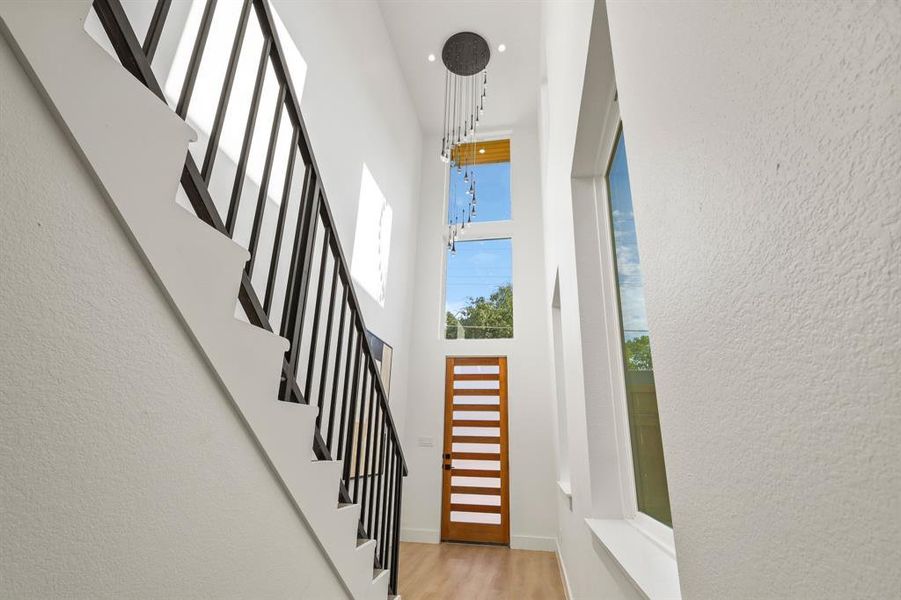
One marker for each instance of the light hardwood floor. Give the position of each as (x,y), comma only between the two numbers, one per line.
(470,572)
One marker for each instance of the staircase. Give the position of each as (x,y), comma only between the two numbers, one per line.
(277,318)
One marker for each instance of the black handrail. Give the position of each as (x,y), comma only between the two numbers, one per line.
(317,274)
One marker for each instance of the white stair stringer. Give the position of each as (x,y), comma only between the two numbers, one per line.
(136,146)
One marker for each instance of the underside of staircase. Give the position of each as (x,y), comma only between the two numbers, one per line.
(135,146)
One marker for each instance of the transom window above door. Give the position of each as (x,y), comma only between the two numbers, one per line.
(486,178)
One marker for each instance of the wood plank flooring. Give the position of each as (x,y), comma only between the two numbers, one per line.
(471,572)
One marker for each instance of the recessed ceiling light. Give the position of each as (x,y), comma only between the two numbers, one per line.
(481,151)
(431,58)
(502,47)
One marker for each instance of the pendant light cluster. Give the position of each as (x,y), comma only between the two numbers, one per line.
(466,57)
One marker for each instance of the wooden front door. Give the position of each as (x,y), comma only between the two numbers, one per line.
(476,500)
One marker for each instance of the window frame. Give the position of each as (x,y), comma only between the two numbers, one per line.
(609,139)
(479,231)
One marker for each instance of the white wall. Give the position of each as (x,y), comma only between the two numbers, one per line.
(764,149)
(358,111)
(126,471)
(572,32)
(531,414)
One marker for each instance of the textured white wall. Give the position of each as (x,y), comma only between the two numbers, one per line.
(764,146)
(125,472)
(530,410)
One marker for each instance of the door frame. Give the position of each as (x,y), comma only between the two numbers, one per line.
(474,531)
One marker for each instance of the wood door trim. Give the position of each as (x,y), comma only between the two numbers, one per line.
(476,392)
(448,445)
(476,473)
(473,423)
(505,462)
(476,439)
(478,455)
(476,532)
(470,489)
(480,508)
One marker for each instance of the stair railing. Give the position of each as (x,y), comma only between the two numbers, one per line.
(302,276)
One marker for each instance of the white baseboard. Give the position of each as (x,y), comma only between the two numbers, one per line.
(566,589)
(529,542)
(423,536)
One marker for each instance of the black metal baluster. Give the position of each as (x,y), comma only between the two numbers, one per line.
(294,273)
(155,30)
(302,261)
(187,89)
(280,226)
(314,335)
(326,347)
(264,183)
(381,503)
(212,147)
(351,352)
(395,534)
(338,355)
(248,139)
(358,459)
(352,409)
(388,509)
(370,450)
(367,508)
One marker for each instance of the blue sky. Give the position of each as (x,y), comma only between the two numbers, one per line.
(492,192)
(477,269)
(628,265)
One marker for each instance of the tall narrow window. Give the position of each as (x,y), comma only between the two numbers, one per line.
(644,423)
(479,290)
(479,267)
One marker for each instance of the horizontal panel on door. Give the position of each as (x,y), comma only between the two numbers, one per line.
(476,415)
(475,517)
(474,473)
(480,499)
(491,448)
(493,370)
(490,483)
(478,384)
(470,430)
(482,465)
(477,400)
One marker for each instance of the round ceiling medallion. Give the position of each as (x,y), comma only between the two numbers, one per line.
(465,53)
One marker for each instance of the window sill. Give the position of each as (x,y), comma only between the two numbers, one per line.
(567,491)
(643,558)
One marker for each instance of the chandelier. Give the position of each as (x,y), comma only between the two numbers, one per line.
(465,56)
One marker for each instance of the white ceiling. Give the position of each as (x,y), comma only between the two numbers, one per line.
(419,28)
